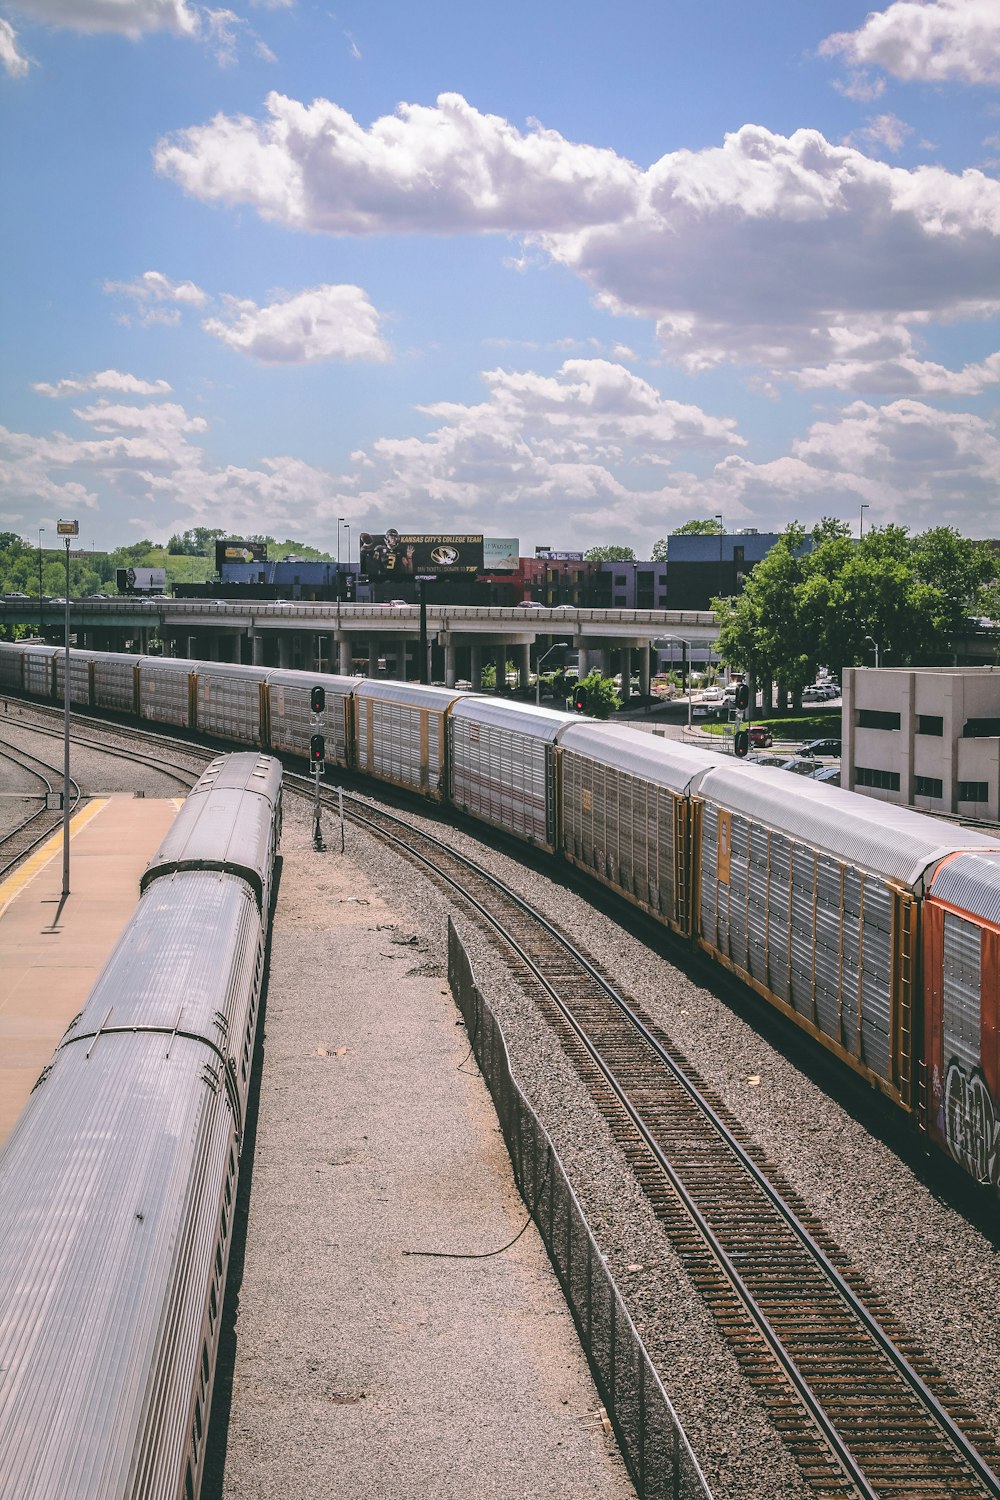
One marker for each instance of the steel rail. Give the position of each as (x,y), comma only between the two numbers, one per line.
(964,1448)
(33,844)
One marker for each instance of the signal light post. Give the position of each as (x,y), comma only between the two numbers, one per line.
(317,752)
(67,530)
(741,739)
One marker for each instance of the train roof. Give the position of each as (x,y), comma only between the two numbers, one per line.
(413,694)
(972,883)
(225,823)
(896,842)
(293,678)
(522,718)
(669,763)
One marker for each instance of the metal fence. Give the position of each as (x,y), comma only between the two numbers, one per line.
(652,1442)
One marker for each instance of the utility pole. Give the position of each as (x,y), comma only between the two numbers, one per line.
(67,530)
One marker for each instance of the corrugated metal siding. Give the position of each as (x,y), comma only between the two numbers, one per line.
(790,916)
(229,704)
(503,776)
(163,691)
(621,827)
(231,827)
(114,683)
(528,719)
(10,665)
(667,763)
(400,742)
(38,670)
(972,882)
(961,1022)
(291,714)
(79,676)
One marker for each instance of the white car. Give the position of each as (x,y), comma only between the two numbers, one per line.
(713,695)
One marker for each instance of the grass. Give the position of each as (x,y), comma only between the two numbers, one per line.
(794,726)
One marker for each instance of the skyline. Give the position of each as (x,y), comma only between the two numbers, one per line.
(567,275)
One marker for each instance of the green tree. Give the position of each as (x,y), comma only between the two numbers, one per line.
(658,552)
(602,696)
(707,527)
(610,554)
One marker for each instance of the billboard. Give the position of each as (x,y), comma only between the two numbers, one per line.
(235,551)
(395,555)
(545,554)
(141,580)
(501,554)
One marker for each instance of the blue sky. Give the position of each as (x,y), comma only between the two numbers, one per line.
(571,273)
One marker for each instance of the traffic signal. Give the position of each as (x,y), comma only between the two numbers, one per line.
(580,699)
(349,585)
(317,748)
(317,700)
(741,743)
(743,697)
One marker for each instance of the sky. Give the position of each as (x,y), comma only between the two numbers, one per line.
(574,273)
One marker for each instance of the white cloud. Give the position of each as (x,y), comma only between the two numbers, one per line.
(131,18)
(325,322)
(883,130)
(934,40)
(157,299)
(14,65)
(562,449)
(752,252)
(104,380)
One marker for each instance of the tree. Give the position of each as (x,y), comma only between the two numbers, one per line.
(659,550)
(708,527)
(602,699)
(610,554)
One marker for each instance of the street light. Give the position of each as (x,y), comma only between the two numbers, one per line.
(722,532)
(67,530)
(40,530)
(874,644)
(861,530)
(340,523)
(684,664)
(556,646)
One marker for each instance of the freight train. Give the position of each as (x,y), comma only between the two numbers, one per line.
(873,927)
(118,1181)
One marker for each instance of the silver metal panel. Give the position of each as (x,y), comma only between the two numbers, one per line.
(667,763)
(503,776)
(622,827)
(895,842)
(10,665)
(393,748)
(163,690)
(229,701)
(114,678)
(113,1183)
(961,1029)
(38,670)
(226,823)
(413,694)
(972,882)
(292,718)
(526,719)
(79,676)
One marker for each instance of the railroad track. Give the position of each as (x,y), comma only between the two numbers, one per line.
(36,827)
(184,775)
(861,1409)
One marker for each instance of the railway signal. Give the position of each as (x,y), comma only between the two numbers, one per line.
(741,743)
(317,699)
(743,697)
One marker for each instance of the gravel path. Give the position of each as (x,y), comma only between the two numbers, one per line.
(938,1274)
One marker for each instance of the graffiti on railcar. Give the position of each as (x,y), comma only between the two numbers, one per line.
(970,1126)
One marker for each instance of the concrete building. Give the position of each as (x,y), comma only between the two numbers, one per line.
(926,737)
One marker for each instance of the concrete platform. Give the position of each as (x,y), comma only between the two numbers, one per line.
(51,952)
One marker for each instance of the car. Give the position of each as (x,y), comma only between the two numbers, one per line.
(820,747)
(528,604)
(399,603)
(777,762)
(713,695)
(829,775)
(17,596)
(799,766)
(760,735)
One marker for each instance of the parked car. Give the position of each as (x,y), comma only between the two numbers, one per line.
(760,735)
(778,762)
(713,695)
(830,775)
(819,747)
(528,604)
(802,767)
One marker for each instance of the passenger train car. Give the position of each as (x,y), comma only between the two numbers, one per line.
(873,927)
(118,1181)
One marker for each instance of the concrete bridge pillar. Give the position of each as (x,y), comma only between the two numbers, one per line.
(644,671)
(372,656)
(284,652)
(625,658)
(449,665)
(256,648)
(476,668)
(345,659)
(524,667)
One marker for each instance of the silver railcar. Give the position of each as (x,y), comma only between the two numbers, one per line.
(501,765)
(290,725)
(230,702)
(166,690)
(399,733)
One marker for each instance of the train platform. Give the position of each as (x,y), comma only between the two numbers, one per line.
(381,1345)
(51,951)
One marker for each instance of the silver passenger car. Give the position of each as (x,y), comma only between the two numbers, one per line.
(810,894)
(501,765)
(625,813)
(399,733)
(290,726)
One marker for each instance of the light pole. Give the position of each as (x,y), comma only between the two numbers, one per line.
(40,530)
(556,646)
(684,665)
(347,526)
(67,530)
(861,528)
(874,644)
(340,527)
(722,532)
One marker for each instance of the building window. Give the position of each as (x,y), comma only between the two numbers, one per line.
(929,786)
(981,729)
(930,724)
(874,718)
(619,601)
(973,791)
(884,781)
(738,556)
(619,580)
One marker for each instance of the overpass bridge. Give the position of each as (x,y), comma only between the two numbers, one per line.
(330,636)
